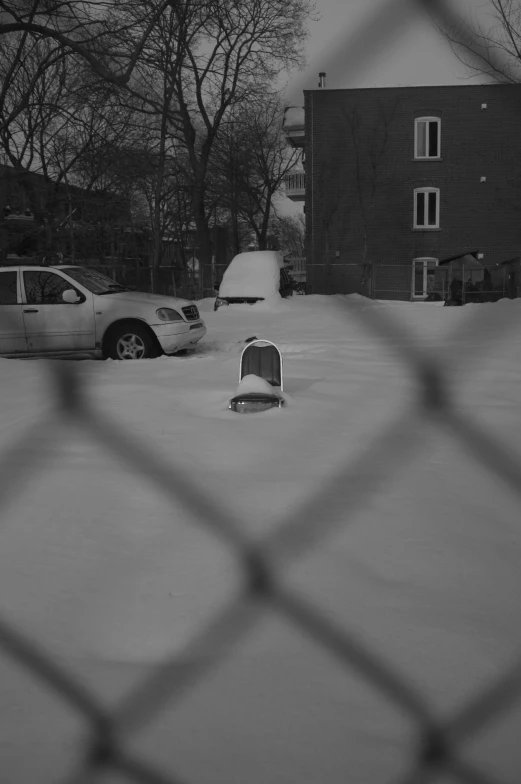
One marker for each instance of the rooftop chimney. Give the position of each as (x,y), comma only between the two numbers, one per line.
(322,79)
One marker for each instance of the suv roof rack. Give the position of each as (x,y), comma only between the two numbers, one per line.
(23,261)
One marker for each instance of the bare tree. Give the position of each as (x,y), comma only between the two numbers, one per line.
(50,102)
(66,128)
(253,159)
(180,67)
(226,53)
(289,231)
(229,164)
(153,92)
(100,32)
(31,75)
(491,48)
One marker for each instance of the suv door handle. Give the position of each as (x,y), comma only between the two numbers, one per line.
(31,310)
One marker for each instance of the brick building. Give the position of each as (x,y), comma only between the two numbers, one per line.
(401,179)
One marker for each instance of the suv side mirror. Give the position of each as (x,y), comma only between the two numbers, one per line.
(71,297)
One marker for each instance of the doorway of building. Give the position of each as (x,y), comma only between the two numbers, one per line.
(423,270)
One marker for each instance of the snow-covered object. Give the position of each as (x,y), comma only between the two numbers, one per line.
(294,118)
(253,274)
(253,383)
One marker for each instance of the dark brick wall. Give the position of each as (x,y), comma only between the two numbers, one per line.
(361,175)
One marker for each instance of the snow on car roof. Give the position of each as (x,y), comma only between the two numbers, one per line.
(253,274)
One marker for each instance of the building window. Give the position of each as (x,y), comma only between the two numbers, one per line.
(427,137)
(427,208)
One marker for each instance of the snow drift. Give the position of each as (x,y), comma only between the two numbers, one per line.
(421,565)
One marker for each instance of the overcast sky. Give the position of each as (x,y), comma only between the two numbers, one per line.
(404,48)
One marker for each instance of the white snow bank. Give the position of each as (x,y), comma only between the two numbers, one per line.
(424,569)
(294,118)
(253,274)
(253,383)
(273,304)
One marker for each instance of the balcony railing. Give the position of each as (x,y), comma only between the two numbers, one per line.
(295,185)
(19,217)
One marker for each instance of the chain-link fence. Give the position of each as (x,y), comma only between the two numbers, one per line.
(457,285)
(173,282)
(409,282)
(109,748)
(168,281)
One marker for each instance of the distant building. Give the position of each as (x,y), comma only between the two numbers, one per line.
(39,216)
(399,180)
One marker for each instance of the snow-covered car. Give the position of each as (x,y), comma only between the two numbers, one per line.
(72,310)
(252,276)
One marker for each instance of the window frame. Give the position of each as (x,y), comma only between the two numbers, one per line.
(48,271)
(427,157)
(426,226)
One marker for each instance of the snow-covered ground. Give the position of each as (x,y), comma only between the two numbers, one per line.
(97,565)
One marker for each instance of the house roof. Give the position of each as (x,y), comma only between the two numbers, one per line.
(515,260)
(437,86)
(450,259)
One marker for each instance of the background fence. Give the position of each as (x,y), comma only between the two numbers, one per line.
(174,283)
(161,280)
(108,748)
(402,282)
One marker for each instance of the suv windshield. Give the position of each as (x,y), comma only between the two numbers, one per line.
(94,281)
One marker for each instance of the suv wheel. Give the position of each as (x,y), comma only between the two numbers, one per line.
(131,342)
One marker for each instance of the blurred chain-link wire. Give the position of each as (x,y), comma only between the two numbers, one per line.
(262,562)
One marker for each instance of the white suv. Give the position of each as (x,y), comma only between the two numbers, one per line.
(70,310)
